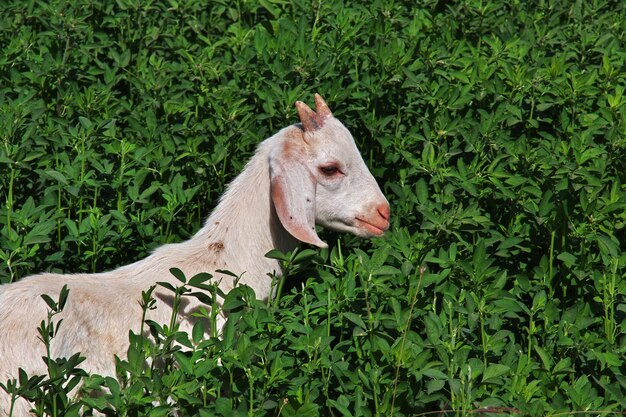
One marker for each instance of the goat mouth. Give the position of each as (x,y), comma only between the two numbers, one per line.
(373,229)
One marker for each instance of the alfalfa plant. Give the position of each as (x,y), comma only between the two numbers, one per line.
(51,394)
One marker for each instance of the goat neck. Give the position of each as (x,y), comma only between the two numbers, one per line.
(244,225)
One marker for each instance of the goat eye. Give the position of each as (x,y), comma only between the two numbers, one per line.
(329,171)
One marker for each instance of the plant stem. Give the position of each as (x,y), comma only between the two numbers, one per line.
(251,395)
(551,261)
(404,333)
(121,178)
(10,198)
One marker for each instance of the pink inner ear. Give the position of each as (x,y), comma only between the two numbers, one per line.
(295,213)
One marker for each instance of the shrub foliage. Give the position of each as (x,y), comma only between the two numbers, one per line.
(497,130)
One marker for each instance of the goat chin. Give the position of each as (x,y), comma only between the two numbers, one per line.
(307,173)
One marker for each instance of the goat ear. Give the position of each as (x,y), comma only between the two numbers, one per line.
(293,194)
(313,120)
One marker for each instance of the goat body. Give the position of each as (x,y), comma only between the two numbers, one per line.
(305,174)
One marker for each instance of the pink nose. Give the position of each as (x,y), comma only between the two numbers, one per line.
(383,210)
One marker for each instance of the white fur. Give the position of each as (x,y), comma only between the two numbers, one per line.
(103,307)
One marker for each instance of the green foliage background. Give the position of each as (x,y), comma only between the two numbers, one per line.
(496,129)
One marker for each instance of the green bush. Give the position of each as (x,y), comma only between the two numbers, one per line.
(496,129)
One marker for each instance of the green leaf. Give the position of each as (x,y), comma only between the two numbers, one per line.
(198,332)
(85,122)
(421,191)
(433,328)
(184,362)
(277,254)
(199,279)
(223,406)
(356,319)
(178,274)
(545,357)
(607,246)
(232,301)
(495,371)
(435,385)
(308,410)
(510,242)
(50,302)
(57,176)
(166,285)
(435,374)
(568,259)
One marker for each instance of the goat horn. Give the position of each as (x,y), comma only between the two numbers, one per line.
(313,120)
(323,112)
(310,121)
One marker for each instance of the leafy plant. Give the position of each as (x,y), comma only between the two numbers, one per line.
(50,394)
(496,129)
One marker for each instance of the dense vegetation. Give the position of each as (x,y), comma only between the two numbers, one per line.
(496,129)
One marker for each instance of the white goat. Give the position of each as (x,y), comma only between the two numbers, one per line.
(307,173)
